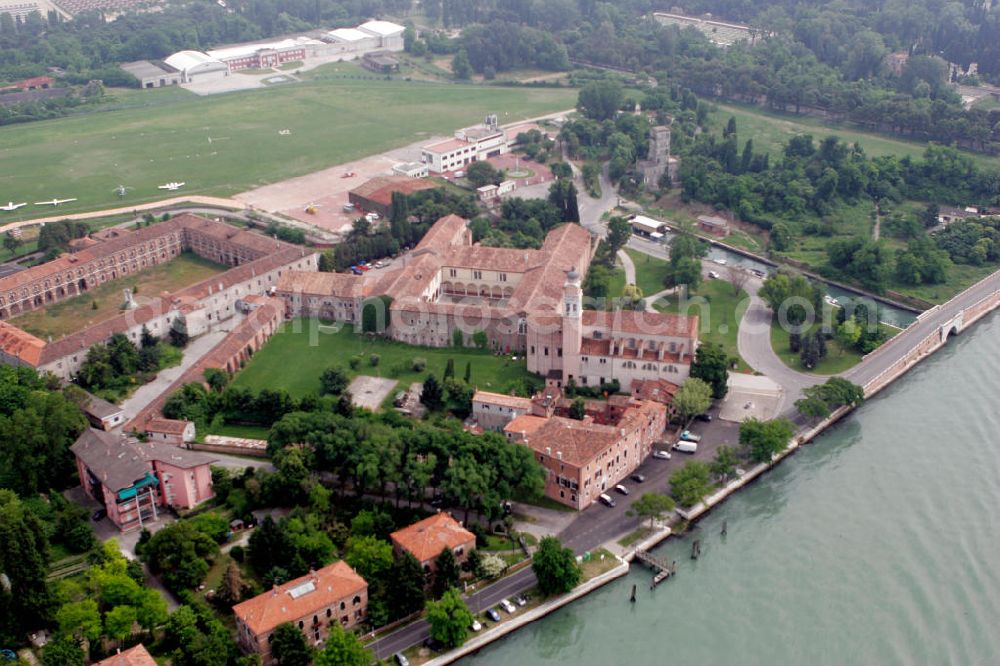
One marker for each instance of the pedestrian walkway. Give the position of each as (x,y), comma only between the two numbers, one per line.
(628,266)
(193,353)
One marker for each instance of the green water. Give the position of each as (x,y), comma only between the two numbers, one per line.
(878,544)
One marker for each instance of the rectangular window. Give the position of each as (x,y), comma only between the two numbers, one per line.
(503,277)
(477,275)
(546,352)
(452,272)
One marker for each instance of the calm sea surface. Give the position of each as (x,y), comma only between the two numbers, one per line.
(878,544)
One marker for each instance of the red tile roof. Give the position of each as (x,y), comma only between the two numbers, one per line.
(643,323)
(381,188)
(298,598)
(167,426)
(426,539)
(134,656)
(323,284)
(659,390)
(21,345)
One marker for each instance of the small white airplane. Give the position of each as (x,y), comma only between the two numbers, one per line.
(12,206)
(54,202)
(172,186)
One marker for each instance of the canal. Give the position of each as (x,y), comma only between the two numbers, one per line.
(877,544)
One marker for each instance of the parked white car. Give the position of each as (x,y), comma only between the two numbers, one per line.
(507,606)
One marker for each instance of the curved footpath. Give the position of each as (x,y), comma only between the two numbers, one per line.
(754,344)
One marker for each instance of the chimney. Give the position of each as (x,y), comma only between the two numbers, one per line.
(559,455)
(548,450)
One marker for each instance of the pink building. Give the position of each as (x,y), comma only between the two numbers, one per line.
(133,480)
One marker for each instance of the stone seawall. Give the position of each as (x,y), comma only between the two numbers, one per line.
(488,636)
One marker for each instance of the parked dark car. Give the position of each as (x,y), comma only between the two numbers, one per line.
(638,478)
(493,614)
(99,514)
(704,417)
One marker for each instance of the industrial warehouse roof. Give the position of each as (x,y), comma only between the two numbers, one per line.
(382,28)
(243,50)
(144,69)
(348,35)
(188,60)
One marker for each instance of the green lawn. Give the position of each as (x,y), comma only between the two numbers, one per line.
(770,131)
(836,361)
(296,356)
(649,271)
(617,283)
(78,312)
(960,277)
(719,310)
(152,137)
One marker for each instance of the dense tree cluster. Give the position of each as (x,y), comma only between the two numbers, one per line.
(971,241)
(409,219)
(822,399)
(500,46)
(37,426)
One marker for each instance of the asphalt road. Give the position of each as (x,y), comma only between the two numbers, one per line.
(590,529)
(892,351)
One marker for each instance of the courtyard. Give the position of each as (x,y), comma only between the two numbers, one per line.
(105,301)
(298,353)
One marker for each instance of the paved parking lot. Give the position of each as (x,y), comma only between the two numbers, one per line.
(369,392)
(601,524)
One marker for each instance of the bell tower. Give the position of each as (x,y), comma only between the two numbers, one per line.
(572,331)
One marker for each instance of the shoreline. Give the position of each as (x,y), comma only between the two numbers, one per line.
(805,435)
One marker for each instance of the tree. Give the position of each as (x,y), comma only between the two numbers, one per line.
(483,173)
(342,648)
(725,462)
(693,397)
(446,572)
(600,100)
(369,556)
(178,333)
(619,232)
(449,369)
(812,407)
(118,622)
(289,647)
(738,277)
(848,334)
(449,619)
(216,379)
(461,67)
(432,395)
(80,619)
(652,506)
(11,242)
(711,364)
(563,196)
(25,601)
(467,377)
(684,271)
(406,592)
(333,381)
(63,651)
(178,553)
(578,408)
(691,483)
(231,589)
(555,567)
(765,439)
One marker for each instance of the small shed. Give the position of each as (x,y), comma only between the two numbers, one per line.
(101,413)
